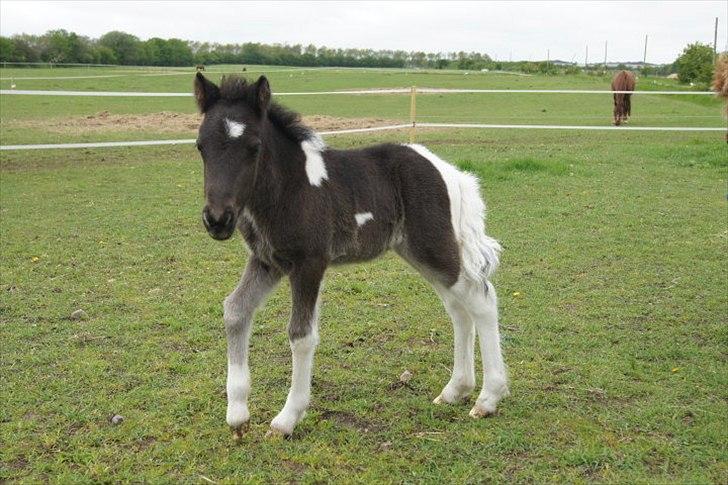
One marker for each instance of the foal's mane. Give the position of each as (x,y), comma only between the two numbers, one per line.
(236,88)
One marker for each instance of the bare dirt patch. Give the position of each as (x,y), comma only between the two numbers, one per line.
(167,122)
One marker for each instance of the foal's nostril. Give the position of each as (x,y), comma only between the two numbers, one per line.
(220,227)
(227,218)
(206,218)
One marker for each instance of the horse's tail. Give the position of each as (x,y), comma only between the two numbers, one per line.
(480,253)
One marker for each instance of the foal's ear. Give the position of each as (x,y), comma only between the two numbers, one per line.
(262,94)
(206,93)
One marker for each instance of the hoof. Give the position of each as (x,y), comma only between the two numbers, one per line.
(478,412)
(239,431)
(274,434)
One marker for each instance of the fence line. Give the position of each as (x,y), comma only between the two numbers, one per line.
(363,130)
(107,144)
(351,92)
(571,127)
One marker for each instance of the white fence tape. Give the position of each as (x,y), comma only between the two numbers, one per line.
(106,144)
(571,127)
(347,92)
(363,130)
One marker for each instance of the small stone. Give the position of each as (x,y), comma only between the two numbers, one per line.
(155,291)
(79,315)
(385,446)
(405,377)
(117,419)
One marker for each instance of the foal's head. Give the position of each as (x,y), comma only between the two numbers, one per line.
(229,141)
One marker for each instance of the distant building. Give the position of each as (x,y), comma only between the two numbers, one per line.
(627,65)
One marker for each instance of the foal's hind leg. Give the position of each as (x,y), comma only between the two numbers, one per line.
(257,282)
(481,303)
(462,381)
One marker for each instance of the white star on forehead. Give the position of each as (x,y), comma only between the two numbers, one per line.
(234,129)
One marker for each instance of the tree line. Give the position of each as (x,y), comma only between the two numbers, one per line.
(61,46)
(695,64)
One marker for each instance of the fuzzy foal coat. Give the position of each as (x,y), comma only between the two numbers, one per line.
(302,206)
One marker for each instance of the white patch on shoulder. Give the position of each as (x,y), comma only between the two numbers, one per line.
(363,217)
(315,166)
(234,129)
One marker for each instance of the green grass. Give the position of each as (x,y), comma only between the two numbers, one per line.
(616,340)
(569,109)
(612,297)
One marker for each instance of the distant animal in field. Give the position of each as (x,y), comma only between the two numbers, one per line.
(720,82)
(622,81)
(200,67)
(302,206)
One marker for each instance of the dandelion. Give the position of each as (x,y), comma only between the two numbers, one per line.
(35,259)
(516,293)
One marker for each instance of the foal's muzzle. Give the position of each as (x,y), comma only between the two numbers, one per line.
(219,227)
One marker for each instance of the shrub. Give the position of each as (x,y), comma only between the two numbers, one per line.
(695,64)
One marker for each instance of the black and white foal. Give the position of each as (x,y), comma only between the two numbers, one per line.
(302,206)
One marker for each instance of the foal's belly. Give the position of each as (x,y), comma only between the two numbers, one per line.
(366,243)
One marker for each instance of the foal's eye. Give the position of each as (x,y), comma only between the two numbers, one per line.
(254,148)
(199,147)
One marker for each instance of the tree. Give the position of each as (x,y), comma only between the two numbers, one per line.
(7,50)
(25,48)
(126,47)
(695,64)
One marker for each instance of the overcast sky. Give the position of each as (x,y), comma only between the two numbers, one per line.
(503,30)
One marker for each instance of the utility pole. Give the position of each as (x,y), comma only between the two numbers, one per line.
(548,56)
(605,55)
(715,38)
(644,58)
(586,56)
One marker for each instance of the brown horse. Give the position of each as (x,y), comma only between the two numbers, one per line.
(622,81)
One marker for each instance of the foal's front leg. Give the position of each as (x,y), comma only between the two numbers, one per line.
(257,282)
(303,335)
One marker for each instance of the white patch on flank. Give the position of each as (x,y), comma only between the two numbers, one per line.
(315,166)
(234,129)
(363,217)
(479,253)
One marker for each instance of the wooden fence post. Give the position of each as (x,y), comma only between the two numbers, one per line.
(413,111)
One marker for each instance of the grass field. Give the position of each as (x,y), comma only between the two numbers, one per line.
(612,296)
(585,109)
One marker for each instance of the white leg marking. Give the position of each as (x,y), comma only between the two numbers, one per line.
(483,310)
(315,166)
(238,326)
(299,395)
(239,308)
(363,217)
(234,129)
(462,381)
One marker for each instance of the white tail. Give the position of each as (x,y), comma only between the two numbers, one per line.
(480,253)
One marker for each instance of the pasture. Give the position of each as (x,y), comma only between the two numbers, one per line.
(612,296)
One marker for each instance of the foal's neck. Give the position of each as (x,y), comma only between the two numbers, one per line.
(273,169)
